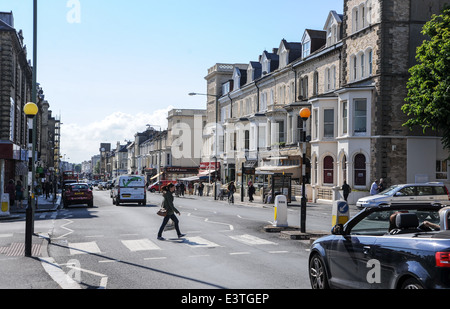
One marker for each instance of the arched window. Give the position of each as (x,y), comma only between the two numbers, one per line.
(360,170)
(328,170)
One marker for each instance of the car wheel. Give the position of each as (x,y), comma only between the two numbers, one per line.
(412,284)
(317,273)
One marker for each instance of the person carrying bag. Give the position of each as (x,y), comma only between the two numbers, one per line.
(170,211)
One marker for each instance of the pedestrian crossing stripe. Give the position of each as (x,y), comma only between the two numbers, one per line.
(199,242)
(148,245)
(84,248)
(251,240)
(140,245)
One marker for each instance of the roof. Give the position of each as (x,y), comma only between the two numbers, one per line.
(5,27)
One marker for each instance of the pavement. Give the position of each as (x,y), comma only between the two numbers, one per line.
(18,271)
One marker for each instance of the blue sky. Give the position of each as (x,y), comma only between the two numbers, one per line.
(119,65)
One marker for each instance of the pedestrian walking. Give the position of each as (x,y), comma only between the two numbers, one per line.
(47,189)
(374,188)
(11,190)
(200,188)
(346,188)
(171,210)
(19,194)
(231,190)
(251,191)
(381,186)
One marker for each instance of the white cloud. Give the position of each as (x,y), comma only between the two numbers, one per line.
(80,143)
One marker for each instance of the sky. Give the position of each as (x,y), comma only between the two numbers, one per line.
(108,67)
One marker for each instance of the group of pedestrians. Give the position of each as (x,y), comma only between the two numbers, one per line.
(377,186)
(15,191)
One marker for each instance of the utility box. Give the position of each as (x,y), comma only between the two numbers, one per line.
(280,211)
(340,213)
(4,209)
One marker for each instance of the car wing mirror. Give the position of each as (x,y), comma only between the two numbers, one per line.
(338,229)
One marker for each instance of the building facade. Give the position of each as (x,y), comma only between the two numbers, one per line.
(352,75)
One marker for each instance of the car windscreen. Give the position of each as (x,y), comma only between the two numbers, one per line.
(131,182)
(390,191)
(379,223)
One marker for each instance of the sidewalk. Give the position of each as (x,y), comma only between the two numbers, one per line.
(18,271)
(42,204)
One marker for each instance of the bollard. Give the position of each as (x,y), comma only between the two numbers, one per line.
(280,215)
(4,210)
(340,213)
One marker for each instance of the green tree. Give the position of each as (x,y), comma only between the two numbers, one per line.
(428,99)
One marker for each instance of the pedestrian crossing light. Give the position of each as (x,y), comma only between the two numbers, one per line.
(30,109)
(305,113)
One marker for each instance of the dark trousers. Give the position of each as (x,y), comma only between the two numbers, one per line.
(165,220)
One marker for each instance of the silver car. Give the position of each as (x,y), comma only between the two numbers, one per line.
(420,193)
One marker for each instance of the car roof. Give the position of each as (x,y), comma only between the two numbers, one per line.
(422,184)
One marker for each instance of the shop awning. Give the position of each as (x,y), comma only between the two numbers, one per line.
(192,178)
(278,169)
(156,176)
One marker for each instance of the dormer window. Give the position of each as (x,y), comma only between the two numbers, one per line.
(265,64)
(306,48)
(333,28)
(284,57)
(237,79)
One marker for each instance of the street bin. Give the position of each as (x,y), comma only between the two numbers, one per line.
(4,210)
(280,211)
(340,212)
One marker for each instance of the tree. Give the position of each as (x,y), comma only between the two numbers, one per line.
(428,99)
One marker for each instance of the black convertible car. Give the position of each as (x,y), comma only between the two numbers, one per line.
(385,247)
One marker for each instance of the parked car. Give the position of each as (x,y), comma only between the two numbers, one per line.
(431,192)
(157,186)
(77,193)
(409,250)
(129,189)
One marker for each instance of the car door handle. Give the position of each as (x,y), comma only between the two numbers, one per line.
(366,250)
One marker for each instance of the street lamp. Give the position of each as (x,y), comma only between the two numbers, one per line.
(216,141)
(305,113)
(30,110)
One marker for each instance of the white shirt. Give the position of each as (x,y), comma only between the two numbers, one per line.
(374,188)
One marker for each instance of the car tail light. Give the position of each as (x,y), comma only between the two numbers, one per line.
(442,259)
(448,194)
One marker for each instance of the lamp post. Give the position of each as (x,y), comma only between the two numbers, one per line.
(216,138)
(305,113)
(30,111)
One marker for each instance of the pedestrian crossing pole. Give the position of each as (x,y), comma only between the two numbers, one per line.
(31,109)
(305,113)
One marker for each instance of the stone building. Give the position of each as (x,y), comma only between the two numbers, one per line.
(15,92)
(352,75)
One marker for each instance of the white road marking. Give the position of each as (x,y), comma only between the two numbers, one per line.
(84,248)
(199,242)
(140,245)
(239,253)
(156,258)
(57,274)
(251,240)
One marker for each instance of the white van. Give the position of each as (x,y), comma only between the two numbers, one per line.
(129,189)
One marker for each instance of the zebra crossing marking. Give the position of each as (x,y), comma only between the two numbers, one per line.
(251,240)
(84,248)
(140,245)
